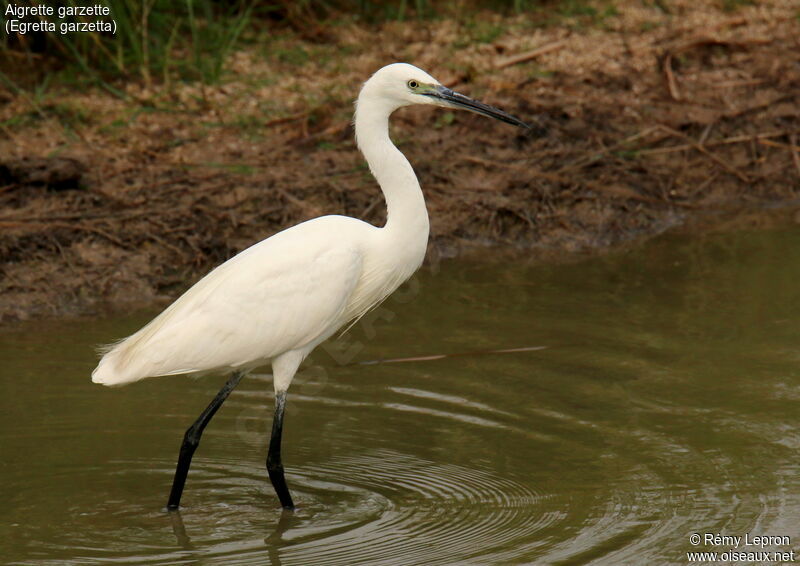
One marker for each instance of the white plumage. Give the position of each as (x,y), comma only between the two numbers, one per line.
(280,298)
(277,300)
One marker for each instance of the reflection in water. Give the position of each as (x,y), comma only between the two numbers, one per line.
(274,541)
(653,395)
(179,530)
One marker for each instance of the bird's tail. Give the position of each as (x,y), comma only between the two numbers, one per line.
(108,371)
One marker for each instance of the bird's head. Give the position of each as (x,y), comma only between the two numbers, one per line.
(401,84)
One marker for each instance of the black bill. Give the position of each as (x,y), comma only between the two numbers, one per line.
(457,100)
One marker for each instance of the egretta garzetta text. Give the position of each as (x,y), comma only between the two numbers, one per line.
(277,300)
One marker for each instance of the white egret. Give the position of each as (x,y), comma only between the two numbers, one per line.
(277,300)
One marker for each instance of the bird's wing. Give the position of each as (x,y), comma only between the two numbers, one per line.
(279,295)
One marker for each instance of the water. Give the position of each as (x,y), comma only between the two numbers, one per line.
(665,403)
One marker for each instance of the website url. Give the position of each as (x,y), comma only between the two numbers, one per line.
(741,556)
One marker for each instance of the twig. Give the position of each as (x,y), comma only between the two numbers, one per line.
(669,74)
(596,157)
(711,178)
(9,133)
(759,106)
(555,177)
(92,230)
(792,146)
(532,54)
(490,163)
(63,254)
(714,157)
(78,227)
(371,207)
(82,216)
(307,137)
(613,190)
(706,41)
(305,206)
(162,242)
(672,84)
(704,135)
(743,82)
(451,355)
(285,119)
(734,139)
(794,150)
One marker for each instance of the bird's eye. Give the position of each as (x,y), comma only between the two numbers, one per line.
(413,84)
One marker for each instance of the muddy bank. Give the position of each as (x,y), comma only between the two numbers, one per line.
(646,119)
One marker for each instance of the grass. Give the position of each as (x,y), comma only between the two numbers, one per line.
(537,72)
(165,41)
(68,115)
(587,13)
(733,5)
(295,55)
(444,119)
(154,40)
(19,121)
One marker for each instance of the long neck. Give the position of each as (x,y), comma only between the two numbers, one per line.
(405,206)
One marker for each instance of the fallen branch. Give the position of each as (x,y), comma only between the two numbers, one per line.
(791,146)
(47,219)
(532,54)
(746,82)
(306,137)
(794,150)
(734,139)
(452,355)
(555,177)
(710,41)
(672,83)
(710,179)
(760,105)
(611,190)
(669,74)
(702,149)
(598,156)
(78,227)
(164,244)
(285,119)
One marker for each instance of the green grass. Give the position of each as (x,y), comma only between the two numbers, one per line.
(537,72)
(577,8)
(68,115)
(295,55)
(586,13)
(165,41)
(155,40)
(22,120)
(444,119)
(478,30)
(648,26)
(627,154)
(733,5)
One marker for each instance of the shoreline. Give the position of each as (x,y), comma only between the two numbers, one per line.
(648,122)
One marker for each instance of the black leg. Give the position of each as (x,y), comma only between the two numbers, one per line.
(192,439)
(274,464)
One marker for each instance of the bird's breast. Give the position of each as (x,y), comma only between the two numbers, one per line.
(385,268)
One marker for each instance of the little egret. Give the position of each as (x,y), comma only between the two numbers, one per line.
(277,300)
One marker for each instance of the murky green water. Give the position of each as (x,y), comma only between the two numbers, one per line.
(666,403)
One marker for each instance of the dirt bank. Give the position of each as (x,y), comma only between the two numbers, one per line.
(646,118)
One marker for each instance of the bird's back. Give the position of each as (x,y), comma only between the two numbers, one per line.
(288,292)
